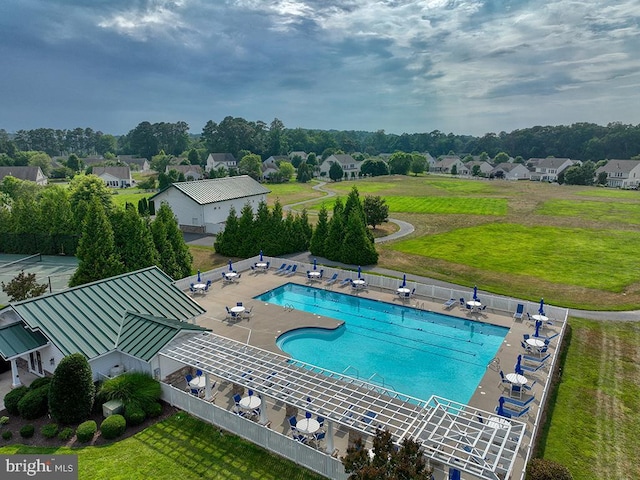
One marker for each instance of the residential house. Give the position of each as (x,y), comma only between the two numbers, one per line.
(347,162)
(217,160)
(271,165)
(301,154)
(115,177)
(446,163)
(135,163)
(510,171)
(31,174)
(485,167)
(622,173)
(203,205)
(190,172)
(118,324)
(547,169)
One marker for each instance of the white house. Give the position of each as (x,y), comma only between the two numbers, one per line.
(217,160)
(547,169)
(622,173)
(485,167)
(347,162)
(136,163)
(190,172)
(115,177)
(203,205)
(118,324)
(32,174)
(446,163)
(511,171)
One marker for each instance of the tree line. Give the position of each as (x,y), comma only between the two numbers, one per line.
(236,135)
(82,220)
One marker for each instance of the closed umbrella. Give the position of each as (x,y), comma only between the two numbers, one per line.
(199,280)
(518,368)
(541,309)
(315,264)
(359,271)
(500,410)
(538,325)
(475,293)
(261,255)
(230,266)
(404,280)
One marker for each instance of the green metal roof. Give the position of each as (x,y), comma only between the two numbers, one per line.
(143,336)
(16,339)
(88,318)
(218,189)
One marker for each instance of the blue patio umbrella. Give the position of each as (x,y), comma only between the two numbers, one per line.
(475,293)
(404,280)
(541,309)
(261,255)
(538,325)
(518,368)
(315,264)
(199,280)
(359,271)
(230,266)
(500,410)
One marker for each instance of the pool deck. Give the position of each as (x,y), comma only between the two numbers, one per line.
(268,321)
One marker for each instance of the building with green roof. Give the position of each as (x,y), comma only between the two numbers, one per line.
(118,324)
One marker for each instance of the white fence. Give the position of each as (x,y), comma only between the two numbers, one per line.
(255,433)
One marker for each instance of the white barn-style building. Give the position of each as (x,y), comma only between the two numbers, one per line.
(203,205)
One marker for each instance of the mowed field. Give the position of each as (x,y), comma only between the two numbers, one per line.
(575,246)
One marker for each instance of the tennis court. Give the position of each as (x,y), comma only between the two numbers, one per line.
(52,270)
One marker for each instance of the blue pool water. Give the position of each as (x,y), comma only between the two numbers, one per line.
(412,351)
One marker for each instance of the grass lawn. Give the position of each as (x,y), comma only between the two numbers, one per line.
(131,195)
(595,417)
(614,212)
(291,192)
(180,447)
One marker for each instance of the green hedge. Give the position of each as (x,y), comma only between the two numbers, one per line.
(86,431)
(113,426)
(134,414)
(65,434)
(153,410)
(12,398)
(27,431)
(35,403)
(49,430)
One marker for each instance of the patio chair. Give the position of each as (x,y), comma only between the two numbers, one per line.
(207,285)
(536,360)
(247,313)
(188,377)
(368,418)
(344,282)
(529,386)
(286,270)
(519,311)
(198,373)
(512,413)
(527,348)
(293,421)
(192,288)
(320,421)
(347,416)
(321,272)
(504,382)
(527,368)
(463,304)
(454,474)
(449,303)
(281,269)
(293,270)
(332,280)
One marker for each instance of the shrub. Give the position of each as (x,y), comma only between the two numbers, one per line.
(49,430)
(27,431)
(134,414)
(35,403)
(65,434)
(86,431)
(7,434)
(132,388)
(153,410)
(4,420)
(12,398)
(72,391)
(113,426)
(40,382)
(541,469)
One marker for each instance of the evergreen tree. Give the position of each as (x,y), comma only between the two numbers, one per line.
(71,392)
(320,233)
(248,244)
(276,225)
(357,248)
(307,229)
(96,249)
(84,188)
(133,239)
(265,237)
(228,240)
(335,233)
(176,251)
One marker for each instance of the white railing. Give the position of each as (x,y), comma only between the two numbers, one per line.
(260,435)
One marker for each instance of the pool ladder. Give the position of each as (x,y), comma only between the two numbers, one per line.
(288,307)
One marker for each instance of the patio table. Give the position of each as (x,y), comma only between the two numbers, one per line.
(308,426)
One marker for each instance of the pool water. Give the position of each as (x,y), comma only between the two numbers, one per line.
(412,351)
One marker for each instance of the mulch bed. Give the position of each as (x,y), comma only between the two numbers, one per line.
(16,423)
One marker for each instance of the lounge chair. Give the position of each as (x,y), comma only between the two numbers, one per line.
(286,270)
(527,368)
(449,303)
(332,280)
(519,312)
(281,269)
(293,270)
(344,282)
(536,360)
(508,413)
(519,403)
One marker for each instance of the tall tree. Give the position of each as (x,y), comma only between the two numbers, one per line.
(133,239)
(83,189)
(336,172)
(96,249)
(23,286)
(251,165)
(376,210)
(228,240)
(320,233)
(356,246)
(173,254)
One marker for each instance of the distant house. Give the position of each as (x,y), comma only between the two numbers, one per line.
(622,173)
(114,336)
(190,172)
(136,163)
(547,169)
(485,167)
(510,171)
(347,162)
(217,160)
(446,163)
(271,165)
(115,177)
(301,154)
(31,174)
(203,205)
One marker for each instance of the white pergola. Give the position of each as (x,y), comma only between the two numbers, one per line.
(451,433)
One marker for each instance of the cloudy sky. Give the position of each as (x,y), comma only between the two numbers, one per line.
(467,67)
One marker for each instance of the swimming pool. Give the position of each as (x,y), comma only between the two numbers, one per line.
(412,351)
